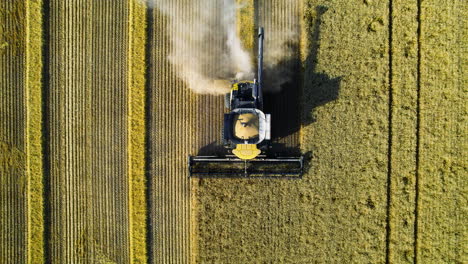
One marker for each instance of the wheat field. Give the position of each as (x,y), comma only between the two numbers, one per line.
(96,126)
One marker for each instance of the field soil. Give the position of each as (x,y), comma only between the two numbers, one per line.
(96,126)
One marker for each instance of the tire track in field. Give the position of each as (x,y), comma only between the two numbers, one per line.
(403,59)
(171,119)
(88,131)
(13,134)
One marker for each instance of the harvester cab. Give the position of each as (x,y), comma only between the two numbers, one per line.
(247,136)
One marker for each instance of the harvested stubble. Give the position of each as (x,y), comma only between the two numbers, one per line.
(21,201)
(13,135)
(91,119)
(171,120)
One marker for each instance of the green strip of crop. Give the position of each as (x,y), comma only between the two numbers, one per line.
(137,132)
(246,23)
(34,132)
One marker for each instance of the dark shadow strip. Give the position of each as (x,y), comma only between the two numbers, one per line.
(257,24)
(390,130)
(207,176)
(47,213)
(418,137)
(148,128)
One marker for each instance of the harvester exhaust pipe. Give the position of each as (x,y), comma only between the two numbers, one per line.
(260,56)
(259,82)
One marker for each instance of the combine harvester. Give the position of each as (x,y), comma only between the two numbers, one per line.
(247,137)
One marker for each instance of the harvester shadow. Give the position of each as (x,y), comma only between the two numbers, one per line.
(318,88)
(304,88)
(213,149)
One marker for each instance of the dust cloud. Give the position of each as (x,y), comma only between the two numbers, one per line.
(206,51)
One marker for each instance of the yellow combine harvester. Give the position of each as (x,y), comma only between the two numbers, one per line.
(247,136)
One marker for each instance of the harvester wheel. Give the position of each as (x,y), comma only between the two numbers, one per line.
(223,140)
(227,100)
